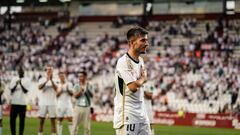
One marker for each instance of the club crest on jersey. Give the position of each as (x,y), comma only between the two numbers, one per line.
(129,64)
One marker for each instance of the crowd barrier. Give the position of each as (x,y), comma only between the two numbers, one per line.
(165,118)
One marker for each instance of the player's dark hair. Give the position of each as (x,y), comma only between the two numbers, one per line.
(136,32)
(61,71)
(48,66)
(83,72)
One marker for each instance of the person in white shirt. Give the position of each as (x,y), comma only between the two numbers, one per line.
(148,97)
(130,116)
(19,90)
(47,100)
(64,103)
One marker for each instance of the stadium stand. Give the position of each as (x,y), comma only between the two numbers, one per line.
(193,64)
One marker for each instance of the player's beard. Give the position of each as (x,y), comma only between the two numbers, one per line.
(142,50)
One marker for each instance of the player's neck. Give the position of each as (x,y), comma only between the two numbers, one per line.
(133,54)
(83,82)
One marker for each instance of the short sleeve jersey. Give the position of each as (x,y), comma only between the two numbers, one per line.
(65,100)
(128,106)
(47,96)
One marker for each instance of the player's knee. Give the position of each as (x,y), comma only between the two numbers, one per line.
(42,120)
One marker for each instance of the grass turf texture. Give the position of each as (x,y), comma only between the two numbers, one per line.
(102,128)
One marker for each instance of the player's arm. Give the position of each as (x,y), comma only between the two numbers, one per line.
(70,92)
(59,91)
(77,91)
(54,85)
(148,95)
(14,87)
(42,85)
(78,94)
(89,91)
(135,85)
(2,87)
(69,89)
(23,88)
(1,92)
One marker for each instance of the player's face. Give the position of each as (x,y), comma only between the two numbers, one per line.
(82,77)
(62,77)
(49,71)
(141,44)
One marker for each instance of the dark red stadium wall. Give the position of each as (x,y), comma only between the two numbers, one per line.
(34,17)
(198,119)
(96,18)
(187,119)
(212,16)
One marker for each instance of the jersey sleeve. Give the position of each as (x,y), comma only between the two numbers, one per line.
(26,83)
(125,70)
(12,83)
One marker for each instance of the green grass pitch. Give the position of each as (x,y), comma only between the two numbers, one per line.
(102,128)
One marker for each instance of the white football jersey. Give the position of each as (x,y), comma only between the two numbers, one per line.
(47,96)
(128,106)
(65,100)
(19,97)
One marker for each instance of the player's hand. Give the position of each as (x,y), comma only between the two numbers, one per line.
(48,78)
(59,90)
(143,74)
(49,75)
(82,89)
(19,81)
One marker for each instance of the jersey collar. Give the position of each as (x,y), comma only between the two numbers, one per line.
(132,59)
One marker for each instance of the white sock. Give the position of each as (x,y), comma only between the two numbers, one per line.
(39,133)
(153,131)
(0,130)
(70,128)
(53,133)
(59,128)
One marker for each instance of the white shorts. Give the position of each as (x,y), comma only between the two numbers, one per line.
(149,111)
(1,112)
(64,111)
(134,129)
(150,115)
(47,109)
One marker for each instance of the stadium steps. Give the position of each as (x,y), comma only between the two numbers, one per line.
(52,30)
(236,51)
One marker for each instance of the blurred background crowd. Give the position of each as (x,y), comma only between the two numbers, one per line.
(192,64)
